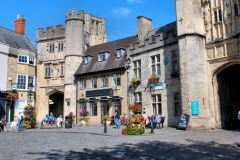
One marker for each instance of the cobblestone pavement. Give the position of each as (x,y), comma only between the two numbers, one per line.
(91,143)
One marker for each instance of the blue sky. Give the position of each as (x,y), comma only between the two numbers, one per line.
(120,15)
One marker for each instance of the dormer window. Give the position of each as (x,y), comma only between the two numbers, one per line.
(103,56)
(87,59)
(120,52)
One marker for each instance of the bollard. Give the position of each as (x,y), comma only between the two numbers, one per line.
(152,130)
(105,126)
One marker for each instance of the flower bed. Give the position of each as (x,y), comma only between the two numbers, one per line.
(134,129)
(30,117)
(135,124)
(136,118)
(136,107)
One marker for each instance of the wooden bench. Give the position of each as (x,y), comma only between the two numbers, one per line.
(161,122)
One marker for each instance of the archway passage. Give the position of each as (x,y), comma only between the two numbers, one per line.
(56,105)
(229,95)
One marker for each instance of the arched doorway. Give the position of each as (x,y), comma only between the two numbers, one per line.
(56,104)
(229,96)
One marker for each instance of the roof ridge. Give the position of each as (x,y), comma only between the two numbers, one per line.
(11,30)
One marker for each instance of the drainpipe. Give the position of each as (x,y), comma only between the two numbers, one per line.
(76,83)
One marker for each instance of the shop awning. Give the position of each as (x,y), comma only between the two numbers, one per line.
(116,98)
(81,100)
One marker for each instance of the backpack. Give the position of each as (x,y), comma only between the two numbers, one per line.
(239,115)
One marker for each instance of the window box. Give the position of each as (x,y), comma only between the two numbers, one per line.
(174,74)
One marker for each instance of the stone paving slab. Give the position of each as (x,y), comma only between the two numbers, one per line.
(91,143)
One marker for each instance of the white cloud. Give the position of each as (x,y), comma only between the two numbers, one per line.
(121,11)
(134,1)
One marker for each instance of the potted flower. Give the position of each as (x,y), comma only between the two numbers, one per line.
(135,82)
(84,118)
(107,118)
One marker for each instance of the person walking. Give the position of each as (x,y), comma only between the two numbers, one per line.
(116,118)
(20,117)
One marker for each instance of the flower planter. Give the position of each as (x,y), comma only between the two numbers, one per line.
(83,123)
(108,123)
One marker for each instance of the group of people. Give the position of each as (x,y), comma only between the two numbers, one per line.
(51,120)
(152,121)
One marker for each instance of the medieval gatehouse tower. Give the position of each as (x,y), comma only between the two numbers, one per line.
(60,51)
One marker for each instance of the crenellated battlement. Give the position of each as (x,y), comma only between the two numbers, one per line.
(75,14)
(160,37)
(52,32)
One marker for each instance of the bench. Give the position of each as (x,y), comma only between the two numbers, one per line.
(161,122)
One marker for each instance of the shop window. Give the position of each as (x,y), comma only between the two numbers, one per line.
(93,108)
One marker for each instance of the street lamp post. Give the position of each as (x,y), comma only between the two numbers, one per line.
(30,86)
(128,65)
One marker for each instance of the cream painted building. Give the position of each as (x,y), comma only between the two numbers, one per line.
(60,52)
(102,80)
(18,70)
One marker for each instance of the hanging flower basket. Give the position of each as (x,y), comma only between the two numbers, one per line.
(12,95)
(153,79)
(135,82)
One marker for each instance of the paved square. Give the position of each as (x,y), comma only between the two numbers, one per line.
(91,143)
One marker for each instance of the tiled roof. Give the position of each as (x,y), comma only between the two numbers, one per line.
(112,62)
(163,29)
(15,40)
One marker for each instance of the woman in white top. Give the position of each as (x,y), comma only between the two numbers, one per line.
(59,120)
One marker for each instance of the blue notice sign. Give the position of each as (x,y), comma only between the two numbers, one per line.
(195,108)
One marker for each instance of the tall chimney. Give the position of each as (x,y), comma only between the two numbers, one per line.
(20,25)
(144,25)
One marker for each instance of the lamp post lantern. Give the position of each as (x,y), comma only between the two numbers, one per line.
(30,86)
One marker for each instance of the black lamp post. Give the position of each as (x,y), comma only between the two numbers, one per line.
(128,65)
(30,87)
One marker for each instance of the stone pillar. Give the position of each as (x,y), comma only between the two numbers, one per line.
(192,61)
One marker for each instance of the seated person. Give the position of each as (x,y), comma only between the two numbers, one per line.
(51,119)
(45,120)
(158,119)
(154,120)
(59,121)
(148,121)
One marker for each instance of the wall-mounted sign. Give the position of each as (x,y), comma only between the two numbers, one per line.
(195,108)
(32,95)
(157,86)
(165,61)
(14,86)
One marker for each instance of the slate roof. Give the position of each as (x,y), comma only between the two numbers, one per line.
(111,63)
(15,40)
(163,29)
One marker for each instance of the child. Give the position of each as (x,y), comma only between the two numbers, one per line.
(59,121)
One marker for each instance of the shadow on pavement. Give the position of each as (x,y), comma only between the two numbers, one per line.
(149,150)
